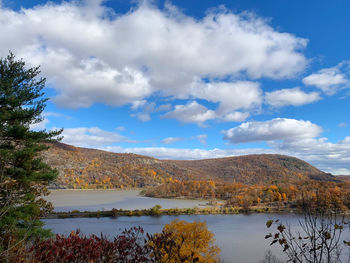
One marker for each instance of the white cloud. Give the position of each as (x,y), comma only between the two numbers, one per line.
(146,109)
(231,95)
(186,154)
(83,83)
(325,155)
(235,116)
(170,140)
(276,129)
(120,59)
(192,112)
(39,125)
(294,97)
(346,140)
(91,137)
(54,114)
(202,138)
(138,104)
(329,80)
(164,107)
(342,124)
(142,116)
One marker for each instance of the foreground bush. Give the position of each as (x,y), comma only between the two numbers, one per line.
(186,242)
(179,241)
(130,246)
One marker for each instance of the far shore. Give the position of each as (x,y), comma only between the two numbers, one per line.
(139,190)
(173,211)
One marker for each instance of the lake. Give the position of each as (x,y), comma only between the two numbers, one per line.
(94,200)
(240,237)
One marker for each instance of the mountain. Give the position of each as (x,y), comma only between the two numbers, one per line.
(90,168)
(255,168)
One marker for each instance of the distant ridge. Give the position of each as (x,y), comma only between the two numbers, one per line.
(90,168)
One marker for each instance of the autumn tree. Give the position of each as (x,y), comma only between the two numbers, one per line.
(193,241)
(23,175)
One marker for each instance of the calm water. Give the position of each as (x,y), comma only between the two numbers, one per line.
(240,237)
(93,200)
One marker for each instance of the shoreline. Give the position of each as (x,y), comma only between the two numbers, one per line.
(172,211)
(89,189)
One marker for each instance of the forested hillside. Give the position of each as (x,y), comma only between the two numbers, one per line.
(243,181)
(89,168)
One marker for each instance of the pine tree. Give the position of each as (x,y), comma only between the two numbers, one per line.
(23,175)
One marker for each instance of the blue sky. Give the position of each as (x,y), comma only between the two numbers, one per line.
(192,79)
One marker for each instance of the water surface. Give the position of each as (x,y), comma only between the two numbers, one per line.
(240,237)
(94,200)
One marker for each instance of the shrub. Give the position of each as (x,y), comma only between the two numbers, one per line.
(127,247)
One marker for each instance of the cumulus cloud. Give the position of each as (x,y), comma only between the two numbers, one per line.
(346,140)
(192,112)
(107,64)
(170,140)
(287,97)
(146,109)
(327,156)
(163,107)
(202,138)
(276,129)
(137,104)
(91,137)
(236,116)
(231,95)
(329,80)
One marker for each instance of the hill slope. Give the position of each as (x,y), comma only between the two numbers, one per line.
(89,168)
(256,168)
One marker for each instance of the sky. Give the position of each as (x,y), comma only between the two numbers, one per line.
(191,79)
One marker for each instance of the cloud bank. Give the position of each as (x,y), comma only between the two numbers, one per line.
(180,56)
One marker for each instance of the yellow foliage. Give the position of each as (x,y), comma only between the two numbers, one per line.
(284,197)
(211,183)
(273,188)
(196,243)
